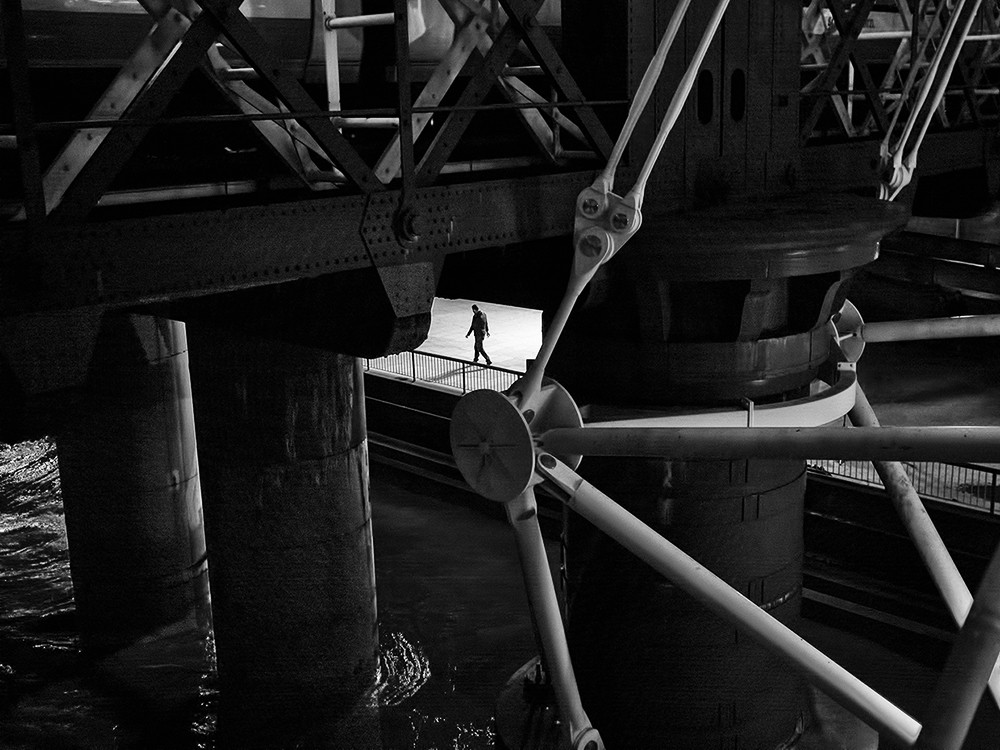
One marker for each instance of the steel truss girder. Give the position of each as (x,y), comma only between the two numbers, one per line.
(255,50)
(520,25)
(113,153)
(828,79)
(209,252)
(969,80)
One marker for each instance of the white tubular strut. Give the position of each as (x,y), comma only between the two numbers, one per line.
(605,221)
(852,333)
(910,508)
(896,161)
(953,705)
(606,181)
(804,443)
(522,512)
(676,104)
(718,596)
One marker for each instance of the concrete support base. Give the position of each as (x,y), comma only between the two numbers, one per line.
(285,471)
(129,473)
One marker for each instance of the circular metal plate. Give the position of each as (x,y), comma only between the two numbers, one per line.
(492,445)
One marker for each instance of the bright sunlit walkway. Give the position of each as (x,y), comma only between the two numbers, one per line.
(515,332)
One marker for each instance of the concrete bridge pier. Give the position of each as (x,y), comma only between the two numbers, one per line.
(695,317)
(284,461)
(129,472)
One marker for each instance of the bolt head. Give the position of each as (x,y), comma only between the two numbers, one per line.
(590,246)
(590,206)
(620,221)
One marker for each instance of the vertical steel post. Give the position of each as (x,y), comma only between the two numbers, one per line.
(993,495)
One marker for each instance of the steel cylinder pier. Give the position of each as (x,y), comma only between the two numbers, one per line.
(129,473)
(285,472)
(667,325)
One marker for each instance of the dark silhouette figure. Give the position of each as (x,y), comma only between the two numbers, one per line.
(480,327)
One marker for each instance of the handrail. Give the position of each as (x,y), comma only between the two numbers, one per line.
(443,371)
(969,485)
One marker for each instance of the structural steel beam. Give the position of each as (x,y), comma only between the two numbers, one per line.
(97,175)
(475,92)
(828,81)
(211,251)
(871,91)
(257,53)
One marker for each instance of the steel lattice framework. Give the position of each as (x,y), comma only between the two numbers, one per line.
(857,58)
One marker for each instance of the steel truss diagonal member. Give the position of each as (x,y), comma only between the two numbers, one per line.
(547,57)
(447,138)
(256,52)
(828,80)
(100,170)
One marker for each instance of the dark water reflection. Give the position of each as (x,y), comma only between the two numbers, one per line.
(452,619)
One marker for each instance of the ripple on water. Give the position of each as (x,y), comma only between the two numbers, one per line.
(403,669)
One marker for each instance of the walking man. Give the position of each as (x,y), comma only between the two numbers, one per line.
(480,328)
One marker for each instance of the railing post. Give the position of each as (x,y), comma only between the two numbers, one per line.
(413,365)
(464,389)
(993,495)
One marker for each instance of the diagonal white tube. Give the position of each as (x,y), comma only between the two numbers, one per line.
(677,104)
(522,512)
(955,700)
(721,598)
(922,531)
(606,180)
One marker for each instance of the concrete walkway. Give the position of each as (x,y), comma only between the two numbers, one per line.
(515,333)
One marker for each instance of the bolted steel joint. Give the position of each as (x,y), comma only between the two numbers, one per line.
(591,245)
(620,221)
(410,224)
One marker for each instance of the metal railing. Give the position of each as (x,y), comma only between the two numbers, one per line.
(968,485)
(463,376)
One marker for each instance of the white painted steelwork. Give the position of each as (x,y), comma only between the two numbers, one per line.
(685,572)
(920,527)
(732,443)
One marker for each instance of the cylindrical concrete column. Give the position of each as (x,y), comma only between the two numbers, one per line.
(129,473)
(285,473)
(654,666)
